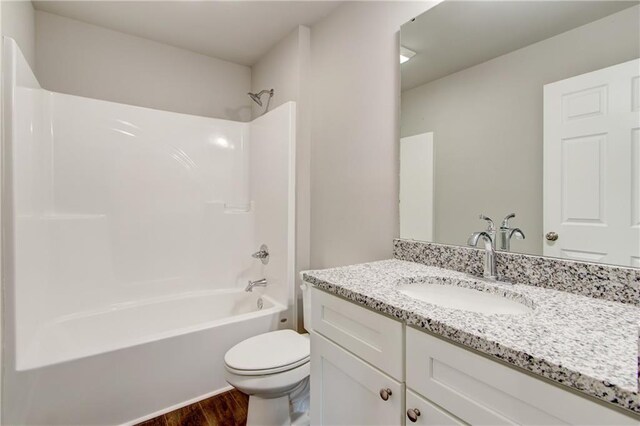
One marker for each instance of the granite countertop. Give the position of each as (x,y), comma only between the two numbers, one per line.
(588,344)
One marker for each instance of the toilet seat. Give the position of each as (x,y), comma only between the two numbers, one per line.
(268,353)
(268,371)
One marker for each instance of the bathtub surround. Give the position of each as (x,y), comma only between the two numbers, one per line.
(115,215)
(600,281)
(550,341)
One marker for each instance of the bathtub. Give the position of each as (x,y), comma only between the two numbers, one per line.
(134,361)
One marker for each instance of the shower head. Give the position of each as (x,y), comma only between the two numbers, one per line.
(256,96)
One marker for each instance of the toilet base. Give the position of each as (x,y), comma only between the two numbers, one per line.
(268,412)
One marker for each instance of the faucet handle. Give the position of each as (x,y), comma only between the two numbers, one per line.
(505,221)
(517,233)
(490,226)
(262,254)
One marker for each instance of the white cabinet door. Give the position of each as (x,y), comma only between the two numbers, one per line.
(346,390)
(422,412)
(372,337)
(592,165)
(481,391)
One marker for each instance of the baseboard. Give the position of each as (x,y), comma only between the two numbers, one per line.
(177,406)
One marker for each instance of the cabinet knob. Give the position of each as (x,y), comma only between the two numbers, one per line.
(551,236)
(413,414)
(385,394)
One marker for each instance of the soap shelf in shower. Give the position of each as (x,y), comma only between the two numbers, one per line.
(228,208)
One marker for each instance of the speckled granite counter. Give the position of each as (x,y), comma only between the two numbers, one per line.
(588,344)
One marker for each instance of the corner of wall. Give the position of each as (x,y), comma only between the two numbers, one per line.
(286,68)
(18,22)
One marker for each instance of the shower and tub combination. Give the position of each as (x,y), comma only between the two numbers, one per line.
(128,235)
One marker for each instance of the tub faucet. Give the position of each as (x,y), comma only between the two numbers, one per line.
(489,253)
(258,283)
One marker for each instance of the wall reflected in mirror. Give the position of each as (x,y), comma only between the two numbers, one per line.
(527,108)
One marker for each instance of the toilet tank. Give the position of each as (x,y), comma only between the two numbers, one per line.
(306,305)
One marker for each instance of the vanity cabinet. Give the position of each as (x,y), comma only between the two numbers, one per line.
(346,390)
(358,363)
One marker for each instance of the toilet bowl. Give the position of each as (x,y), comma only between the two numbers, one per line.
(270,368)
(273,369)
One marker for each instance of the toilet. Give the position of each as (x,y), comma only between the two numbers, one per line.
(273,369)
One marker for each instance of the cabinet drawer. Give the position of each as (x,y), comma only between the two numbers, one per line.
(346,390)
(481,391)
(429,414)
(373,337)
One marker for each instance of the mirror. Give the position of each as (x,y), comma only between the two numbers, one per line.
(528,108)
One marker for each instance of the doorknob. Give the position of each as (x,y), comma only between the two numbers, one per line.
(413,414)
(385,394)
(551,236)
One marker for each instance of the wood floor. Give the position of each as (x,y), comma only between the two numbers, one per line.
(225,409)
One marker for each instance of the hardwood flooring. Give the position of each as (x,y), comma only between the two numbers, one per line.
(225,409)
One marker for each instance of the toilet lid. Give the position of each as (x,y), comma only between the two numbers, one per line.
(269,351)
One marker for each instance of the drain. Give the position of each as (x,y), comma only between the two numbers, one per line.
(260,303)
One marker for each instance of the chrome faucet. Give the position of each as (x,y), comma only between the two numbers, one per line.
(262,254)
(489,253)
(491,228)
(506,233)
(258,283)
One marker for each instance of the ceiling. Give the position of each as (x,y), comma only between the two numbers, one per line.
(460,34)
(236,31)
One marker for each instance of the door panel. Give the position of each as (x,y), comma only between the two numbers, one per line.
(429,413)
(591,165)
(416,187)
(481,391)
(346,390)
(375,338)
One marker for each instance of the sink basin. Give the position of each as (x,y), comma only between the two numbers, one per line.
(466,299)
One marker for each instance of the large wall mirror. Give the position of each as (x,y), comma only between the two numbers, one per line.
(529,108)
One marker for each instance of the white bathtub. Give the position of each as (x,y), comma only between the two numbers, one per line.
(134,361)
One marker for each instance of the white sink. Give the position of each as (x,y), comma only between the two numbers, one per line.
(466,299)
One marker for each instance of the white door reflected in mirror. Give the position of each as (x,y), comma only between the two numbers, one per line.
(416,187)
(592,165)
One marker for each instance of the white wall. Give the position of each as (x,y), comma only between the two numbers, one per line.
(86,60)
(286,68)
(280,69)
(18,22)
(1,217)
(508,125)
(354,128)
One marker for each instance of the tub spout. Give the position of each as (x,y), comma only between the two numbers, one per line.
(258,283)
